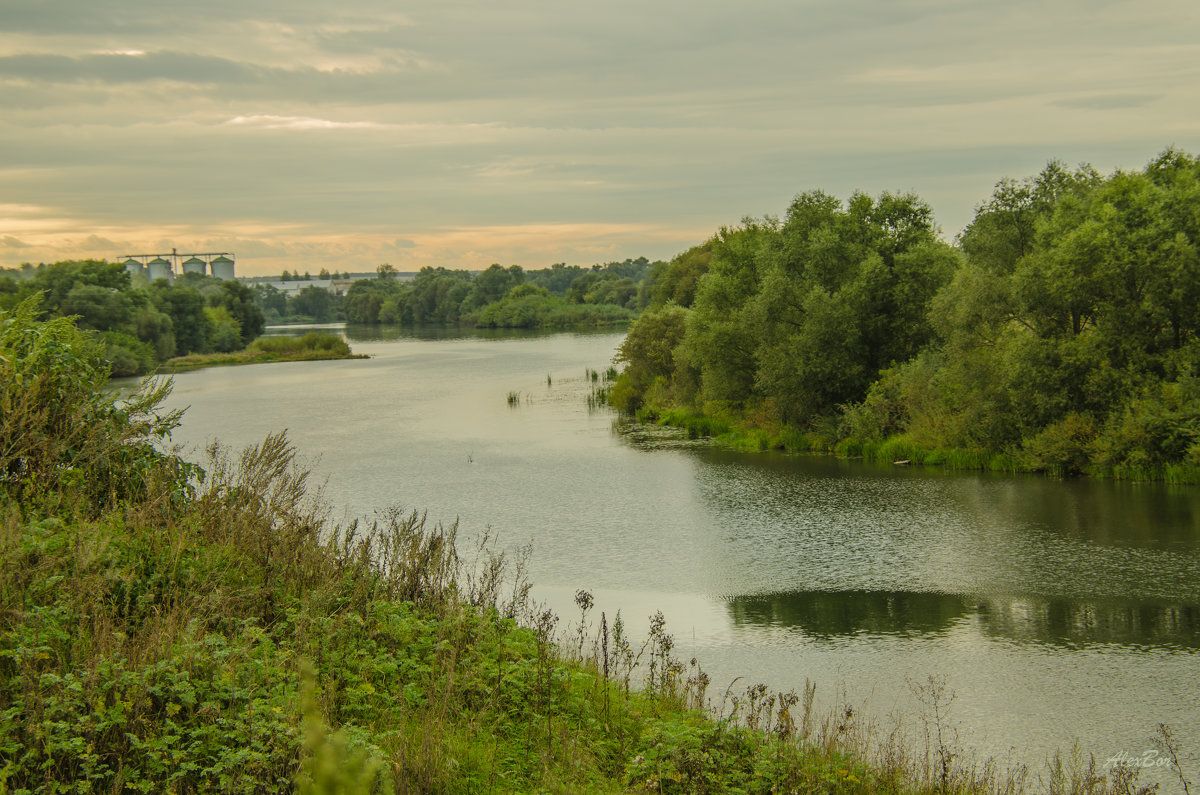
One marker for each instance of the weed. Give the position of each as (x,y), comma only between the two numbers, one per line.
(1164,738)
(935,701)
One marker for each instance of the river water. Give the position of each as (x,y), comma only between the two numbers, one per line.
(1058,613)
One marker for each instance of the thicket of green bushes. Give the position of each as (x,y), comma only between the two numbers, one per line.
(141,324)
(1059,334)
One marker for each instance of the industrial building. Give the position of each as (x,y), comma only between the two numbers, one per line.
(166,266)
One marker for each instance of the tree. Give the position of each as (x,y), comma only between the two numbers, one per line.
(225,335)
(649,355)
(239,301)
(493,284)
(315,302)
(99,308)
(185,307)
(272,301)
(722,329)
(676,282)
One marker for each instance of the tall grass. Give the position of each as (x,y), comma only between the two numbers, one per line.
(313,341)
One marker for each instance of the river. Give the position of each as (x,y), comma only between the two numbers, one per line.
(1057,612)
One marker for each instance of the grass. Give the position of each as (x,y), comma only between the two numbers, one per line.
(902,448)
(310,347)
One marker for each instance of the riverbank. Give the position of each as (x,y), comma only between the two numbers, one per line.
(759,434)
(313,346)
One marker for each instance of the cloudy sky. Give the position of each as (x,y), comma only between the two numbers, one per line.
(302,134)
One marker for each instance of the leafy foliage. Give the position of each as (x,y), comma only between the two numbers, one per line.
(1064,327)
(142,324)
(62,440)
(500,297)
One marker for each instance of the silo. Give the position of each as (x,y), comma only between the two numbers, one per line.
(194,265)
(222,268)
(134,268)
(159,268)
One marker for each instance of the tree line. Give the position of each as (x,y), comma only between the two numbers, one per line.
(140,323)
(497,297)
(1058,333)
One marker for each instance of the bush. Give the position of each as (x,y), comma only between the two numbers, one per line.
(1159,427)
(127,355)
(60,433)
(313,341)
(1063,448)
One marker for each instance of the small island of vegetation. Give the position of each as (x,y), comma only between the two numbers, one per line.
(313,346)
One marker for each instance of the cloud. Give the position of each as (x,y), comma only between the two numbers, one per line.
(457,132)
(98,243)
(269,122)
(1108,101)
(126,68)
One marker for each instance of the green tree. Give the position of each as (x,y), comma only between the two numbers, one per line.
(239,301)
(185,307)
(493,284)
(649,355)
(723,328)
(99,308)
(225,335)
(315,302)
(273,302)
(676,282)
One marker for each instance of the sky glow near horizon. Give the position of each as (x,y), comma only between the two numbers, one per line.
(306,135)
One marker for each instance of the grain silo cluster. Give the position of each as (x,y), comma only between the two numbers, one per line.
(167,266)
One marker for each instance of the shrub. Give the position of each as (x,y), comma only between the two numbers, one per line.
(313,341)
(127,355)
(60,433)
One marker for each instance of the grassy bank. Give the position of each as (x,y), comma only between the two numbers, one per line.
(751,434)
(310,347)
(167,628)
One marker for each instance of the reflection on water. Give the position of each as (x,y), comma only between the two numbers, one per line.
(383,333)
(812,523)
(1060,621)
